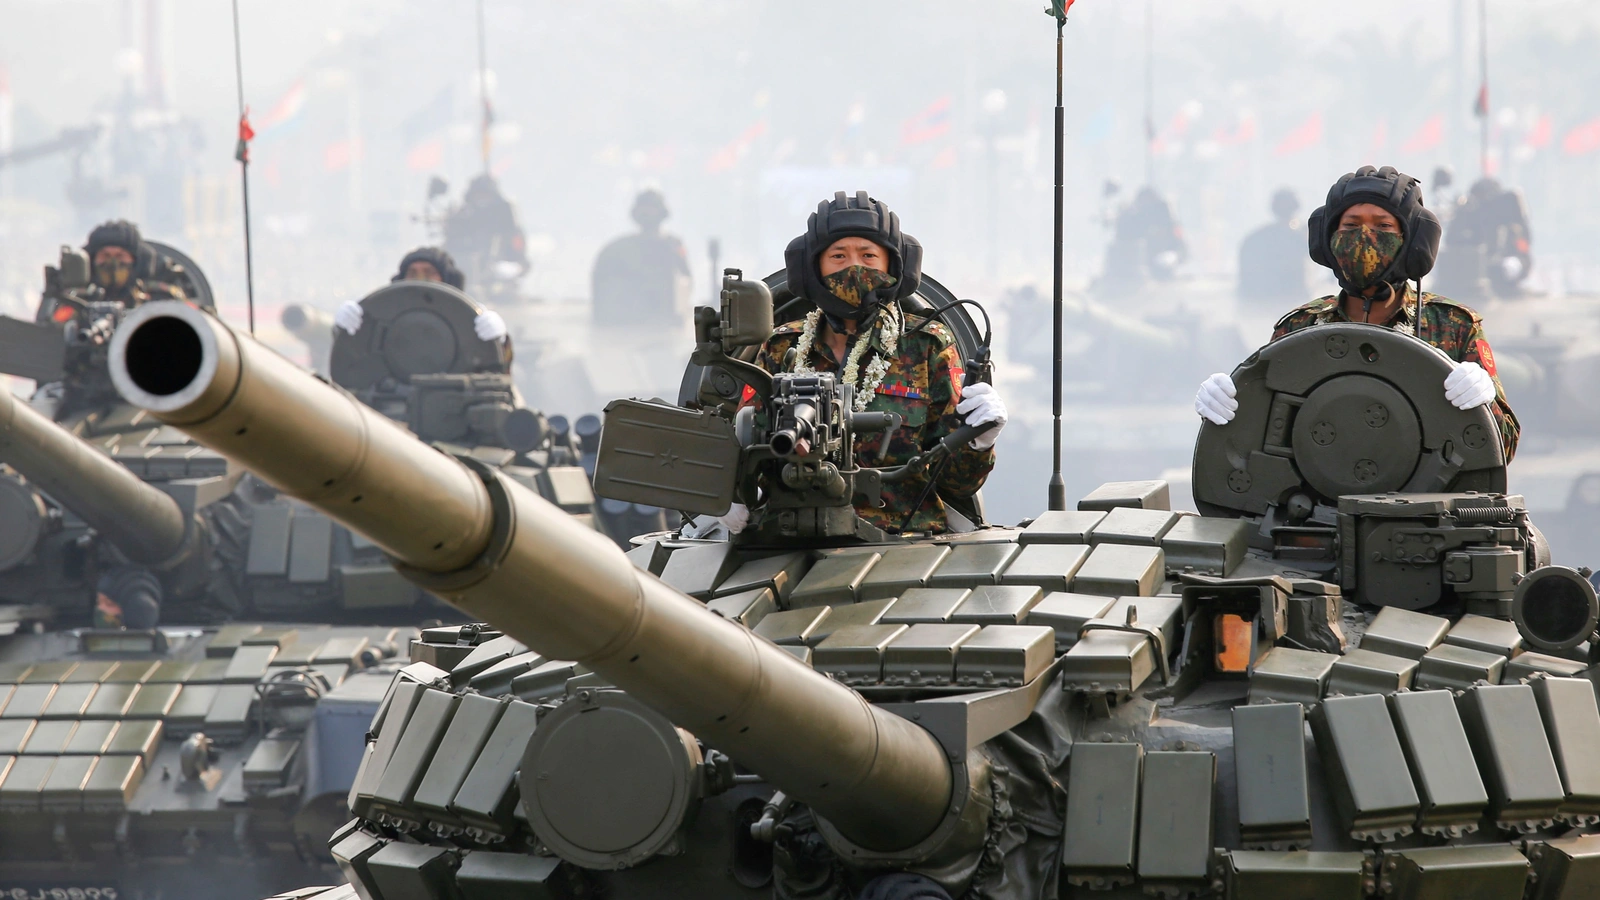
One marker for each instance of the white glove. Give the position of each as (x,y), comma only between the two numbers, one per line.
(489,326)
(348,317)
(981,403)
(735,519)
(1215,400)
(1469,386)
(1512,267)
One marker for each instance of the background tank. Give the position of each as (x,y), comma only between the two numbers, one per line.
(1113,697)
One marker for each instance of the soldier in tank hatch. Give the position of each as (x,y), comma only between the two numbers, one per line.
(855,264)
(433,264)
(1271,268)
(1377,237)
(642,279)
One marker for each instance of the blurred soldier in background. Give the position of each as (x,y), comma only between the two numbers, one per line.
(484,235)
(1147,245)
(1272,263)
(1487,249)
(643,279)
(433,264)
(1375,235)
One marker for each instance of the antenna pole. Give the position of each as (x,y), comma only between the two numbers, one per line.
(483,88)
(1058,487)
(242,154)
(1149,90)
(1483,86)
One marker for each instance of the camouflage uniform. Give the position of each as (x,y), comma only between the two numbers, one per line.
(923,385)
(1447,325)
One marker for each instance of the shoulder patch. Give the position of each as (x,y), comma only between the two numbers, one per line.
(1438,300)
(936,330)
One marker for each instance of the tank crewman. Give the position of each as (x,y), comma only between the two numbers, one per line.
(856,265)
(1271,267)
(484,235)
(1377,237)
(121,266)
(1147,244)
(643,279)
(433,264)
(1487,248)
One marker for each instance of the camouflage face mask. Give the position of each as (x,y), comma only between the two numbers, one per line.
(1363,254)
(856,285)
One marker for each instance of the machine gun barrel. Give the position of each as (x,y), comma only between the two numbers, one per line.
(147,525)
(500,552)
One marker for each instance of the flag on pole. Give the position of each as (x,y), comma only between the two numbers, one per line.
(1480,107)
(1306,136)
(287,110)
(247,134)
(1582,139)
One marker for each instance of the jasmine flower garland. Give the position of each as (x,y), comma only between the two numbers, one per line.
(884,338)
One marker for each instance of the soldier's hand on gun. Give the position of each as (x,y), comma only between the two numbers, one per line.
(981,403)
(1469,386)
(348,317)
(1215,401)
(735,519)
(489,326)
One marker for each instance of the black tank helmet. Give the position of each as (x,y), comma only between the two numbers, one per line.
(439,259)
(852,216)
(116,233)
(1401,196)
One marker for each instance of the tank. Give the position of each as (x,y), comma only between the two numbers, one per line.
(183,762)
(1351,673)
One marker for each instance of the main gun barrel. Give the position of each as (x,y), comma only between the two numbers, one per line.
(147,525)
(500,552)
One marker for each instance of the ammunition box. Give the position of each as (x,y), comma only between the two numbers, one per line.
(1572,723)
(1457,668)
(1099,840)
(868,612)
(1526,665)
(1443,770)
(902,569)
(794,626)
(1134,494)
(996,604)
(1269,758)
(1494,872)
(1206,546)
(1401,632)
(1513,753)
(1566,868)
(1121,570)
(1175,817)
(1108,662)
(1067,613)
(973,564)
(834,580)
(1368,672)
(780,573)
(1365,767)
(1005,655)
(747,608)
(1309,875)
(696,570)
(1048,566)
(926,605)
(854,654)
(1061,527)
(1496,636)
(1288,675)
(1126,525)
(488,795)
(925,654)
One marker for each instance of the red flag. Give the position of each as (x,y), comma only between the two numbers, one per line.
(1583,139)
(729,156)
(425,156)
(246,135)
(1480,107)
(1539,136)
(1308,135)
(933,122)
(1426,138)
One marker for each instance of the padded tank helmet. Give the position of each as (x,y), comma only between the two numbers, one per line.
(1393,191)
(440,260)
(116,233)
(844,216)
